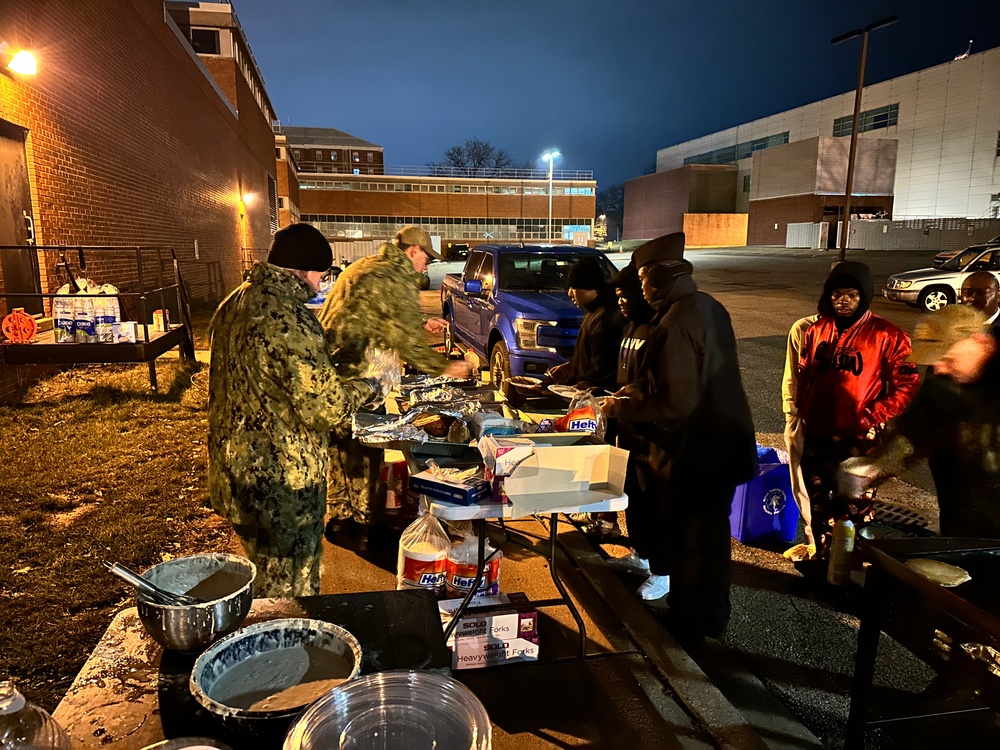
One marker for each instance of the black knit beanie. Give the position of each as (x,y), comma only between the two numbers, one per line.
(300,247)
(586,273)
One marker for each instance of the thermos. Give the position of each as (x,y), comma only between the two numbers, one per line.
(839,568)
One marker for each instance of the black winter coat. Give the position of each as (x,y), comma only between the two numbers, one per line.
(693,408)
(595,358)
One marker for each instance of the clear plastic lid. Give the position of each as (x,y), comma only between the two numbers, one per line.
(401,710)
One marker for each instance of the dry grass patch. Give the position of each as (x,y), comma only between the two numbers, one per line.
(95,468)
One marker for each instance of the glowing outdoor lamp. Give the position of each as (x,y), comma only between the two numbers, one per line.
(550,157)
(21,62)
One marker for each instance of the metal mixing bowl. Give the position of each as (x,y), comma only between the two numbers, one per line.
(193,627)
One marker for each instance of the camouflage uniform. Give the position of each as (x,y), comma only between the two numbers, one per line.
(273,398)
(375,302)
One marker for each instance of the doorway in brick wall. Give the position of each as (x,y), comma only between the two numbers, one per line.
(19,268)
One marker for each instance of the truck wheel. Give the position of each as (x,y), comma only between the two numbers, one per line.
(935,298)
(449,337)
(499,364)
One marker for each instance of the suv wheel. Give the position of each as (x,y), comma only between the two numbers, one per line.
(499,365)
(935,298)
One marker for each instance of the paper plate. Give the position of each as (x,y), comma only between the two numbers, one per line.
(567,392)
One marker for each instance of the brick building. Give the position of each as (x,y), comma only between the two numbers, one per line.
(127,136)
(326,150)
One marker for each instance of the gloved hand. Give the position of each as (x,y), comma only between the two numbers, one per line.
(855,476)
(384,368)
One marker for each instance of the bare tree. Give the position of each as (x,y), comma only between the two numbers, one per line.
(478,158)
(611,202)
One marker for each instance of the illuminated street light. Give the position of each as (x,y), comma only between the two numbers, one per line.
(863,33)
(21,62)
(550,157)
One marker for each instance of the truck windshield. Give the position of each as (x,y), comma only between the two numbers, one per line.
(542,270)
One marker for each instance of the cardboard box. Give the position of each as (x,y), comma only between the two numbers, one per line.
(464,492)
(546,471)
(489,639)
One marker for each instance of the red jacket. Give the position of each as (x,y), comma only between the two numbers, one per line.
(854,380)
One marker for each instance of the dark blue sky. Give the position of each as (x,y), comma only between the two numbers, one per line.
(606,83)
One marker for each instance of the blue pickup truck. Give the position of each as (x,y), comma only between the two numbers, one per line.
(510,307)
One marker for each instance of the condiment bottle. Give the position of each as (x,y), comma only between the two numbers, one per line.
(25,725)
(839,569)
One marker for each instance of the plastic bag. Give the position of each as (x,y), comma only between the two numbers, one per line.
(584,415)
(85,319)
(423,555)
(463,562)
(106,312)
(385,367)
(64,315)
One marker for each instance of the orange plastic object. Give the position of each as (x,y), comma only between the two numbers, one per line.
(19,327)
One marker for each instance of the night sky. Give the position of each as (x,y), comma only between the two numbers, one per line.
(606,83)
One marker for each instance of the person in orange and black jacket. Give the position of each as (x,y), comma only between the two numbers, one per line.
(854,376)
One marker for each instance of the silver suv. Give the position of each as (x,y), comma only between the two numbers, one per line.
(931,289)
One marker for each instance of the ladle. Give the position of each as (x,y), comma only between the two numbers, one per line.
(158,595)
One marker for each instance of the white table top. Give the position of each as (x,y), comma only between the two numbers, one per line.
(454,512)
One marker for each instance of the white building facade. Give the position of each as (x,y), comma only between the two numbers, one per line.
(946,120)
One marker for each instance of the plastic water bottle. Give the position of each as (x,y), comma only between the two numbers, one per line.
(25,726)
(839,569)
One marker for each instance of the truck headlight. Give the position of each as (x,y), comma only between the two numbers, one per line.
(527,333)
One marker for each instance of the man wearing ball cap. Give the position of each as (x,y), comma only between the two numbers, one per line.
(689,401)
(273,396)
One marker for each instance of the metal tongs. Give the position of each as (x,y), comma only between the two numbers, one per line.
(153,592)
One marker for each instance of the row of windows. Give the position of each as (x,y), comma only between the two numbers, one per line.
(355,156)
(731,154)
(873,119)
(406,187)
(442,220)
(998,144)
(525,232)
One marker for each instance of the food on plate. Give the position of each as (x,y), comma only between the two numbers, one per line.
(565,391)
(442,394)
(435,425)
(523,381)
(939,572)
(458,432)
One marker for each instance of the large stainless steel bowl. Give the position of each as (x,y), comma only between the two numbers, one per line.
(224,581)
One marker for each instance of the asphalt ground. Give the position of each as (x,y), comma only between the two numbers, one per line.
(785,640)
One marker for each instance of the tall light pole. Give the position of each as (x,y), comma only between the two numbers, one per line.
(863,33)
(550,157)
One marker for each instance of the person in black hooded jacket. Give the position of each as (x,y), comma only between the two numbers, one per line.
(690,404)
(594,362)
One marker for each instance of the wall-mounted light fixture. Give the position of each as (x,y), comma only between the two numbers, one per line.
(16,60)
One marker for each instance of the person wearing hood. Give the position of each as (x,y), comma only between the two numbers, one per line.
(854,376)
(273,396)
(594,363)
(689,403)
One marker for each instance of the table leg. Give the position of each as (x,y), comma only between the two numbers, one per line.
(480,567)
(553,536)
(864,662)
(152,375)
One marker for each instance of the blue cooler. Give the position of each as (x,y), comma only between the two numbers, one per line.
(764,508)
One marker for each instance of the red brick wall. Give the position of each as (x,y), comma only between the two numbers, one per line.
(129,143)
(765,214)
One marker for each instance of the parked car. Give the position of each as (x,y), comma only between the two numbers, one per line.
(946,255)
(932,289)
(509,306)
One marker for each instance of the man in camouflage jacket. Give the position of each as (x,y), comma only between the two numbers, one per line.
(376,303)
(274,396)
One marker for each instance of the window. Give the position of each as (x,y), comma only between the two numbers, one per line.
(272,203)
(355,156)
(277,153)
(743,150)
(333,156)
(319,154)
(371,157)
(998,143)
(357,171)
(873,119)
(206,41)
(296,153)
(746,183)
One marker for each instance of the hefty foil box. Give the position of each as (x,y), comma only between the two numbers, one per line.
(464,492)
(488,639)
(545,472)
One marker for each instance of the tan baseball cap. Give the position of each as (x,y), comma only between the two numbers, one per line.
(415,235)
(941,330)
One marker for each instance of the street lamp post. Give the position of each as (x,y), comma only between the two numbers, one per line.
(550,157)
(863,33)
